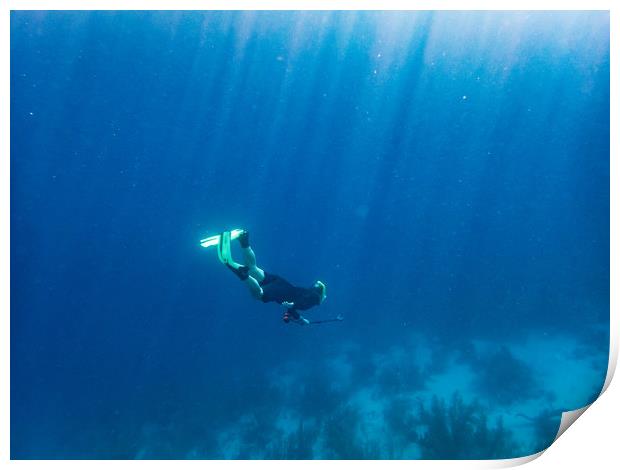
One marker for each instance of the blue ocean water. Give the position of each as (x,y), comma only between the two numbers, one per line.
(446,174)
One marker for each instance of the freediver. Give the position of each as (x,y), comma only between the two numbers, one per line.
(269,287)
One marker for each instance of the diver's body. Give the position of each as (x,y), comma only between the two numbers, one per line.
(269,287)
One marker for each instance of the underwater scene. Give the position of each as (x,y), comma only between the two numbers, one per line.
(306,234)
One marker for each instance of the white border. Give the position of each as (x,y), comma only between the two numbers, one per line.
(592,442)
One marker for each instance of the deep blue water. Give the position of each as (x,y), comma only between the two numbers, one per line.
(445,174)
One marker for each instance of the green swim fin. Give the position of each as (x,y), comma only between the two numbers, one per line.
(224,248)
(214,240)
(220,248)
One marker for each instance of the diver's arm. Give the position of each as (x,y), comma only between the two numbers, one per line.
(294,316)
(302,321)
(298,317)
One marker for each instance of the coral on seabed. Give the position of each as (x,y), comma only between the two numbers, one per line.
(400,376)
(341,439)
(459,430)
(297,445)
(504,379)
(545,426)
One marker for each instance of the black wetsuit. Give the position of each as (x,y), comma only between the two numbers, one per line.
(278,289)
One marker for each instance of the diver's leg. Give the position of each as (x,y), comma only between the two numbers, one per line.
(249,258)
(242,273)
(250,261)
(239,270)
(255,289)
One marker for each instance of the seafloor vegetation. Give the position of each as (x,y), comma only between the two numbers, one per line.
(478,401)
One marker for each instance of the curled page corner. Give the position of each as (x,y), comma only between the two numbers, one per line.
(569,417)
(517,461)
